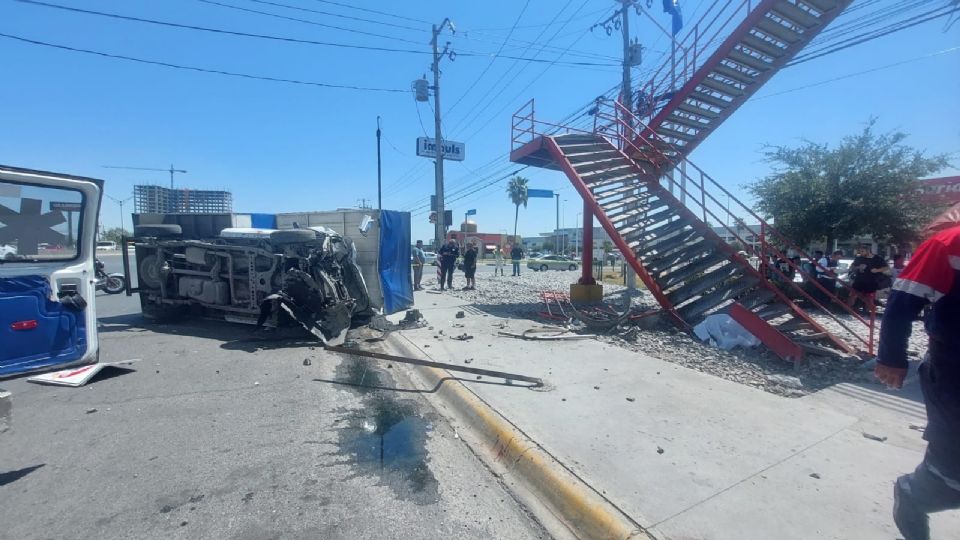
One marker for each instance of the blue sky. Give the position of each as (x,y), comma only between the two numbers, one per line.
(283,147)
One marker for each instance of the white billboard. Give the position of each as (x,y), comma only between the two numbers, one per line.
(427,147)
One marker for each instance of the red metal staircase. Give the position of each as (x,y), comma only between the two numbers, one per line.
(660,224)
(657,206)
(700,85)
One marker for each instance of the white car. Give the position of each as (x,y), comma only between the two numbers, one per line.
(7,253)
(106,245)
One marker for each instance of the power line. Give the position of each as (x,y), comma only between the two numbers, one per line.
(200,69)
(864,72)
(338,15)
(306,21)
(217,30)
(492,60)
(865,37)
(394,15)
(277,38)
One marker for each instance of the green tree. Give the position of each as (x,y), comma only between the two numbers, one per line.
(114,234)
(866,185)
(517,191)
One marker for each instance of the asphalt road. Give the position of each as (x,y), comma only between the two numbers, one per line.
(220,433)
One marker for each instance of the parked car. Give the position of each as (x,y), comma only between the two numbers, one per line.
(431,258)
(106,245)
(552,262)
(7,253)
(534,255)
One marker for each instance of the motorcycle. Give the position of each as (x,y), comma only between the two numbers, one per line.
(110,283)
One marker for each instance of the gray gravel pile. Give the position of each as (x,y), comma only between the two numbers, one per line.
(918,338)
(519,297)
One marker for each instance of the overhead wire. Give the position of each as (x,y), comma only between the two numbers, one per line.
(280,38)
(196,68)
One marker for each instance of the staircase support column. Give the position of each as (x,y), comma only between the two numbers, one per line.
(587,289)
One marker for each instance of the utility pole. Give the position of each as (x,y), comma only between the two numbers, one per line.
(556,234)
(626,100)
(362,204)
(379,194)
(441,231)
(119,202)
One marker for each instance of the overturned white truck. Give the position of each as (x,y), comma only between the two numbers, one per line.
(309,275)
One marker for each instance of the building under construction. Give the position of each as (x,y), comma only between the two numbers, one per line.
(161,200)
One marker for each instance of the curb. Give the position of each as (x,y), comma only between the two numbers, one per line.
(565,505)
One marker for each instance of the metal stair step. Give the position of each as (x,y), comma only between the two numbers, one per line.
(667,132)
(646,204)
(609,172)
(822,6)
(747,60)
(711,100)
(702,285)
(795,323)
(621,217)
(640,200)
(675,118)
(773,310)
(736,75)
(662,248)
(761,45)
(772,28)
(603,194)
(689,252)
(613,180)
(652,237)
(702,112)
(591,156)
(758,298)
(695,267)
(568,137)
(590,166)
(705,303)
(643,243)
(722,87)
(796,15)
(576,147)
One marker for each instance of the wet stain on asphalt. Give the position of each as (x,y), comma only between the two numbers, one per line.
(387,436)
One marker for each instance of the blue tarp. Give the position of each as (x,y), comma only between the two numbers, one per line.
(263,221)
(394,258)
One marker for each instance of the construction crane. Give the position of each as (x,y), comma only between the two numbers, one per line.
(171,170)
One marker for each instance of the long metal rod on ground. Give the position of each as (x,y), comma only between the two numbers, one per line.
(417,362)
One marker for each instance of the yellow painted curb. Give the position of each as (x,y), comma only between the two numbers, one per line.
(577,506)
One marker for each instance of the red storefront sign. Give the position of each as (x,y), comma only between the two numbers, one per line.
(942,190)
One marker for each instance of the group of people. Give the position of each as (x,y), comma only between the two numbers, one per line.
(450,253)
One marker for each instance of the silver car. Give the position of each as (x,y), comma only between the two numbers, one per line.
(553,262)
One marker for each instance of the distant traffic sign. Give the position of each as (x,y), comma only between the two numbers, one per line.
(543,193)
(427,147)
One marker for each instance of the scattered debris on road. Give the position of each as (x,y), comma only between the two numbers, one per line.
(307,362)
(461,315)
(79,376)
(872,437)
(462,337)
(660,450)
(814,475)
(91,410)
(546,333)
(631,400)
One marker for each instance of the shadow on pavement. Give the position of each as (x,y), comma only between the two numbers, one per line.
(12,476)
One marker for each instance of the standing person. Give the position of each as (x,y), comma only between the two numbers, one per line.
(516,255)
(931,277)
(827,272)
(419,259)
(898,264)
(470,266)
(448,254)
(498,260)
(865,281)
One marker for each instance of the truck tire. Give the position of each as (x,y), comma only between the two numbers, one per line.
(158,231)
(292,236)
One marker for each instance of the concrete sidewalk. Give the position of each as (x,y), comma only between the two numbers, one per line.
(688,455)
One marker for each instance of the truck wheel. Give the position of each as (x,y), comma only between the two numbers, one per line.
(158,231)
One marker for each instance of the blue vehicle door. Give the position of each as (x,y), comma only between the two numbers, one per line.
(48,226)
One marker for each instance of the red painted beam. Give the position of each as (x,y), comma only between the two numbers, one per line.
(774,340)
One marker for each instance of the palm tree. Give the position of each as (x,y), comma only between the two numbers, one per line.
(517,191)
